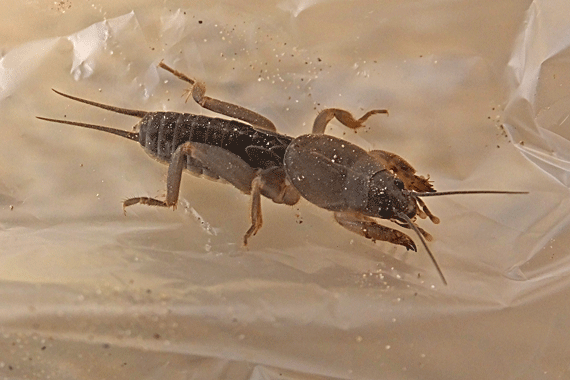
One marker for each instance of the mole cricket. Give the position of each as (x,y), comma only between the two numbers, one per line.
(334,174)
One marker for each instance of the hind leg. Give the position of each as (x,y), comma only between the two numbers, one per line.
(220,163)
(217,161)
(198,91)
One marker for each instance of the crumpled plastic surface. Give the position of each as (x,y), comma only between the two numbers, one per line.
(478,94)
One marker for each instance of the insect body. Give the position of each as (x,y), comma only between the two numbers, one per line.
(358,186)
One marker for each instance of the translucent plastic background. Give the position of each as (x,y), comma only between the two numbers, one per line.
(479,98)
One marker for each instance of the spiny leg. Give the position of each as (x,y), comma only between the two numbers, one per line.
(216,163)
(177,164)
(222,164)
(343,116)
(368,228)
(256,218)
(198,91)
(271,183)
(403,170)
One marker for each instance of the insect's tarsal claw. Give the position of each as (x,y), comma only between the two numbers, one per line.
(410,246)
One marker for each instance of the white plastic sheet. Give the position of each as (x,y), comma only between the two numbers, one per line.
(478,95)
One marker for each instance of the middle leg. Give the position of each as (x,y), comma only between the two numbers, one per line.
(273,184)
(216,163)
(343,116)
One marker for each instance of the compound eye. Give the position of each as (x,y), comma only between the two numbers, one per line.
(399,183)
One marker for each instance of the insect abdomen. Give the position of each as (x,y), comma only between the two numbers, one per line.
(162,132)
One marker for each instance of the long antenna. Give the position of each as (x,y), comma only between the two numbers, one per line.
(436,194)
(413,227)
(126,134)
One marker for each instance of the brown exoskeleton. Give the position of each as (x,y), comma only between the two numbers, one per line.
(331,173)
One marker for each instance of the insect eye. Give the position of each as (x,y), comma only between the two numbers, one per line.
(399,183)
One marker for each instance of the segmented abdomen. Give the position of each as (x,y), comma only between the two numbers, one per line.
(160,133)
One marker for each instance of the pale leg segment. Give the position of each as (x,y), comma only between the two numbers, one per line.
(198,91)
(343,116)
